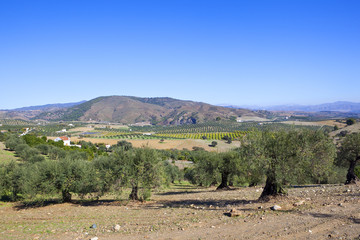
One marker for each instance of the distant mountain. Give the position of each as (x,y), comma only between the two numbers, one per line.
(47,106)
(31,112)
(129,110)
(340,106)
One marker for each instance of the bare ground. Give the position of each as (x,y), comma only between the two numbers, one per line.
(186,212)
(179,144)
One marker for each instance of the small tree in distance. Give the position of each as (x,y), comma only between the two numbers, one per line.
(350,121)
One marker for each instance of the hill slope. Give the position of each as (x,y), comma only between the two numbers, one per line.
(127,110)
(340,106)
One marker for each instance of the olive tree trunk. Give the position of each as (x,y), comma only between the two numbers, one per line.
(272,187)
(224,181)
(351,178)
(66,196)
(134,193)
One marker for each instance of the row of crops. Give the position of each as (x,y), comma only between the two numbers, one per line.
(216,130)
(134,136)
(220,126)
(15,122)
(211,136)
(210,130)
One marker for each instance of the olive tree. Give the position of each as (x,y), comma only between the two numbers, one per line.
(349,152)
(140,168)
(206,170)
(287,157)
(229,164)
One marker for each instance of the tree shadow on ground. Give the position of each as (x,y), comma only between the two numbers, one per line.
(211,204)
(335,216)
(84,203)
(178,193)
(36,204)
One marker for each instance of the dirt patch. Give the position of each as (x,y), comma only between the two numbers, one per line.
(167,144)
(355,128)
(186,212)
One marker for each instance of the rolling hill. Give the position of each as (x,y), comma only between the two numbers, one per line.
(129,110)
(340,106)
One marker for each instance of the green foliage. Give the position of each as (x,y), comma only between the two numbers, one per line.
(349,153)
(33,140)
(357,171)
(12,141)
(172,172)
(288,157)
(10,182)
(2,137)
(230,164)
(140,168)
(350,121)
(125,145)
(206,170)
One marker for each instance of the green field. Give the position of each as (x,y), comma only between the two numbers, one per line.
(6,156)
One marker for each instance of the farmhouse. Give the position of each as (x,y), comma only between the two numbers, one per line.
(66,140)
(62,130)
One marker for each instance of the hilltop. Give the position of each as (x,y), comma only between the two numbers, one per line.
(130,110)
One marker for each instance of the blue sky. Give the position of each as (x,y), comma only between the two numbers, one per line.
(234,52)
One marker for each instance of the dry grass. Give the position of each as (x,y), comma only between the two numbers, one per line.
(6,156)
(187,212)
(167,144)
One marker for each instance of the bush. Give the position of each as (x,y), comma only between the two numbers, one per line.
(357,171)
(350,121)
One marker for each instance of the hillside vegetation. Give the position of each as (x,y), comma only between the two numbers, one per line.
(130,110)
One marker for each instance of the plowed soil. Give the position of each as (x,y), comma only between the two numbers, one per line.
(186,212)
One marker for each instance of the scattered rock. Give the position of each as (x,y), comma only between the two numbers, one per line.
(93,226)
(234,213)
(275,207)
(94,238)
(117,227)
(261,207)
(299,203)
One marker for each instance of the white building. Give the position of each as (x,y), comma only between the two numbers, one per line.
(66,140)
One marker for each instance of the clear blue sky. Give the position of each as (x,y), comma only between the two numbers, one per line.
(236,52)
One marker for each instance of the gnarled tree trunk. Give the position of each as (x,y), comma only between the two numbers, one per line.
(134,193)
(272,187)
(66,196)
(351,178)
(224,181)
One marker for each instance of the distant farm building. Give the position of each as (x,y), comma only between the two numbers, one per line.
(66,140)
(62,130)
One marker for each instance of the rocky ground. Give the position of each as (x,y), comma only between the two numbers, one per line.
(186,212)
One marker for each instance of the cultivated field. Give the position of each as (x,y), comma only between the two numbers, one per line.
(186,212)
(167,144)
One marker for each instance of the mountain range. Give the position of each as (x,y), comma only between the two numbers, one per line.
(340,106)
(164,111)
(130,110)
